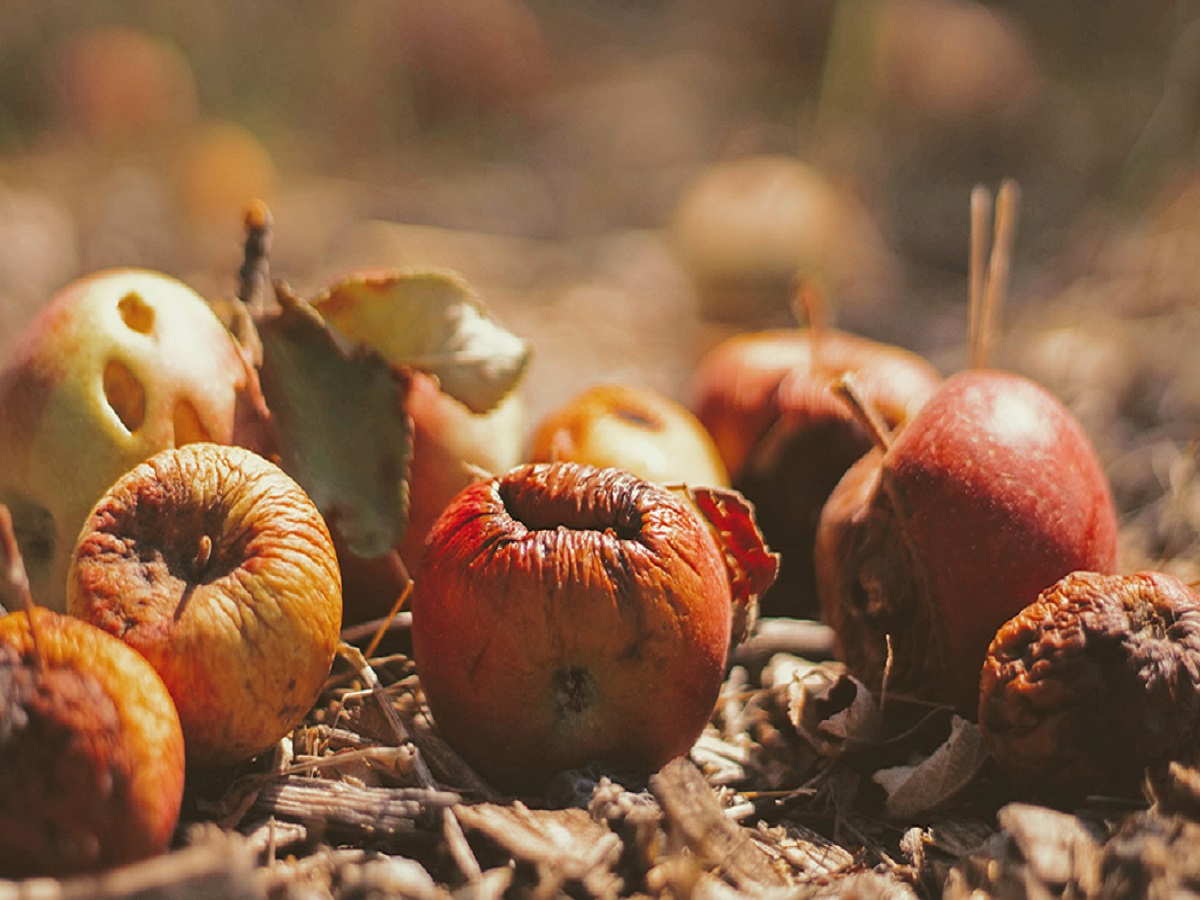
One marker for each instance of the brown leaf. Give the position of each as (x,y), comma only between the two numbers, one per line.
(940,777)
(343,432)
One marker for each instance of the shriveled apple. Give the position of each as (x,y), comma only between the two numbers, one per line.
(565,614)
(91,751)
(117,366)
(216,566)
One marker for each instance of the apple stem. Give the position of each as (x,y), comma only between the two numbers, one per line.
(989,288)
(203,555)
(256,249)
(868,416)
(18,579)
(808,305)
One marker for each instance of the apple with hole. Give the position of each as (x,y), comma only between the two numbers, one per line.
(566,614)
(936,538)
(91,750)
(786,435)
(218,568)
(117,366)
(633,428)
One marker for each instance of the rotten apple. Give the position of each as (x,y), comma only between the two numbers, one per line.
(632,428)
(565,614)
(932,541)
(117,366)
(218,568)
(787,435)
(91,751)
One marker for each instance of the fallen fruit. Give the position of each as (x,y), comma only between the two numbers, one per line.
(1093,683)
(91,751)
(786,435)
(117,366)
(565,614)
(632,428)
(217,567)
(990,494)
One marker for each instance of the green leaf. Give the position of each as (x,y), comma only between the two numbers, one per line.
(344,433)
(432,321)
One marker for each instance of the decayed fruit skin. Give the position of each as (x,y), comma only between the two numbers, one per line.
(565,614)
(244,632)
(117,366)
(91,752)
(990,494)
(632,428)
(1093,683)
(770,401)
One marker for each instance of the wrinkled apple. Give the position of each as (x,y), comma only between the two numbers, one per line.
(217,567)
(117,366)
(565,614)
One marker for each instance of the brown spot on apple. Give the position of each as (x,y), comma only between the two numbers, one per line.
(136,313)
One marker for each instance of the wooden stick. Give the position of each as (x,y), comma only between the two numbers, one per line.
(995,289)
(981,214)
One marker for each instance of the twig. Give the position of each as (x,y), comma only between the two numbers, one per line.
(846,387)
(455,840)
(386,624)
(256,251)
(995,283)
(18,580)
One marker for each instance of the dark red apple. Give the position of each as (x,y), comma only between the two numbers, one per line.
(565,614)
(771,402)
(989,495)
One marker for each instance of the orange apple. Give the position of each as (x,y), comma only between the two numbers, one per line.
(771,402)
(117,366)
(91,751)
(631,428)
(217,567)
(565,614)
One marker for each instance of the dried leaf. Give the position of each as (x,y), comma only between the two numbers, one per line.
(751,565)
(831,710)
(914,790)
(434,322)
(343,432)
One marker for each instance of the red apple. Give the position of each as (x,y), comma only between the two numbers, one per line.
(117,366)
(91,751)
(632,428)
(989,495)
(218,568)
(565,614)
(771,403)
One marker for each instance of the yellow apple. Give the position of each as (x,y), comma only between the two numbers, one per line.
(216,566)
(632,428)
(117,366)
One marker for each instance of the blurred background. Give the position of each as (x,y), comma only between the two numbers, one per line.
(627,181)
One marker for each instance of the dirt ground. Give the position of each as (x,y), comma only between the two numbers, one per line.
(553,154)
